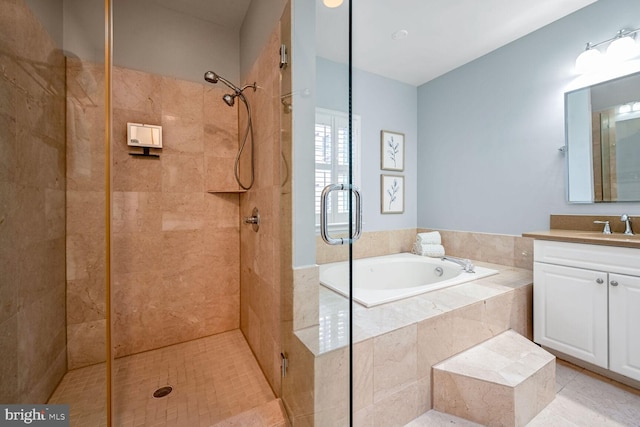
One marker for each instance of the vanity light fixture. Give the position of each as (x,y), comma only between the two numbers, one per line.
(332,3)
(621,48)
(625,108)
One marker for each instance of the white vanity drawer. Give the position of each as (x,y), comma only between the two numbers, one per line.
(593,257)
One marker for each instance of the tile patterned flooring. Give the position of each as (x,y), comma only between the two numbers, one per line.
(583,399)
(213,379)
(217,382)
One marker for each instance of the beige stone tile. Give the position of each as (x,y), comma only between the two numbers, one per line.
(136,212)
(222,210)
(85,301)
(523,253)
(137,91)
(221,124)
(437,419)
(8,140)
(43,273)
(9,267)
(85,82)
(435,343)
(220,173)
(134,252)
(362,374)
(54,212)
(394,361)
(332,387)
(85,147)
(41,332)
(484,403)
(398,408)
(136,174)
(183,173)
(86,343)
(182,99)
(182,135)
(305,297)
(8,23)
(9,392)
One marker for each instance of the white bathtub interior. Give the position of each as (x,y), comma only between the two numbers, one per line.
(383,279)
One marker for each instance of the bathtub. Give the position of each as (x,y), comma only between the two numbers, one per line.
(383,279)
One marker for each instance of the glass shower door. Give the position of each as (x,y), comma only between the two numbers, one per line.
(316,332)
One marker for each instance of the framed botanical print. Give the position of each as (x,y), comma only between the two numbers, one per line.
(391,194)
(392,150)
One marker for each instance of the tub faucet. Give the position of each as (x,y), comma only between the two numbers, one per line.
(627,220)
(466,264)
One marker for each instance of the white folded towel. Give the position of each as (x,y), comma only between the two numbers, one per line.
(432,237)
(428,249)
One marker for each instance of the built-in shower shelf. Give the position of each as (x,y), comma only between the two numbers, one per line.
(226,191)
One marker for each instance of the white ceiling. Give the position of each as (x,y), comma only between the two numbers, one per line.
(442,34)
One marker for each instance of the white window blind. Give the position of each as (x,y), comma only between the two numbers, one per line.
(332,162)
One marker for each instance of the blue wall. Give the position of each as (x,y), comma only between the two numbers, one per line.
(489,131)
(381,103)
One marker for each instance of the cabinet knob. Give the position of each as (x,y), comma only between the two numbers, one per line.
(599,281)
(614,283)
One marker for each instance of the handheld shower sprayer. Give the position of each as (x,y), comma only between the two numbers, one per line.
(229,99)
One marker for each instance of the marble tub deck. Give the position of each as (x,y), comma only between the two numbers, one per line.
(332,331)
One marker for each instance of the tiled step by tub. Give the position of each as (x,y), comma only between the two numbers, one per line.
(271,414)
(504,381)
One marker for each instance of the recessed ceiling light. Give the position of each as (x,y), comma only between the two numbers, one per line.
(332,3)
(400,34)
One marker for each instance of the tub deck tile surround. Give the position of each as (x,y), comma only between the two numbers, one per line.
(331,333)
(396,344)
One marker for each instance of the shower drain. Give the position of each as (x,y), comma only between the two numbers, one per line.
(162,391)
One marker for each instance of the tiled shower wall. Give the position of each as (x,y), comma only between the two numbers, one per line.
(86,319)
(175,247)
(32,212)
(260,251)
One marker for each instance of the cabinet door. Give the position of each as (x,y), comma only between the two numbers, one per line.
(624,325)
(570,311)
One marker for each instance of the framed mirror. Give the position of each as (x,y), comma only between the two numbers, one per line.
(602,127)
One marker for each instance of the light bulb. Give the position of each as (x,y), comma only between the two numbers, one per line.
(332,3)
(625,108)
(636,106)
(622,48)
(588,61)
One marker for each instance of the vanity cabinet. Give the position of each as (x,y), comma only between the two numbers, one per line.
(586,303)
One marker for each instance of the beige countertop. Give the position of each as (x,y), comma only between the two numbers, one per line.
(588,237)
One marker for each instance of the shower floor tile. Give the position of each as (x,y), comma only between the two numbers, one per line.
(213,378)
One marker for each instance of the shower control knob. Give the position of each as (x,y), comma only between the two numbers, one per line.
(254,219)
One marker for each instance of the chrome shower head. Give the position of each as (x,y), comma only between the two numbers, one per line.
(229,99)
(211,77)
(214,78)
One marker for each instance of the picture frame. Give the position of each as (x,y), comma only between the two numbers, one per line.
(392,194)
(391,150)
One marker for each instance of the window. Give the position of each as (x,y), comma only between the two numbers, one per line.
(332,165)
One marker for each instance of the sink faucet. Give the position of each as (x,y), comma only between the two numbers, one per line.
(607,228)
(627,220)
(466,264)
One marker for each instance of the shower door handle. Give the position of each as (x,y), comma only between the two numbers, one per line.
(324,212)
